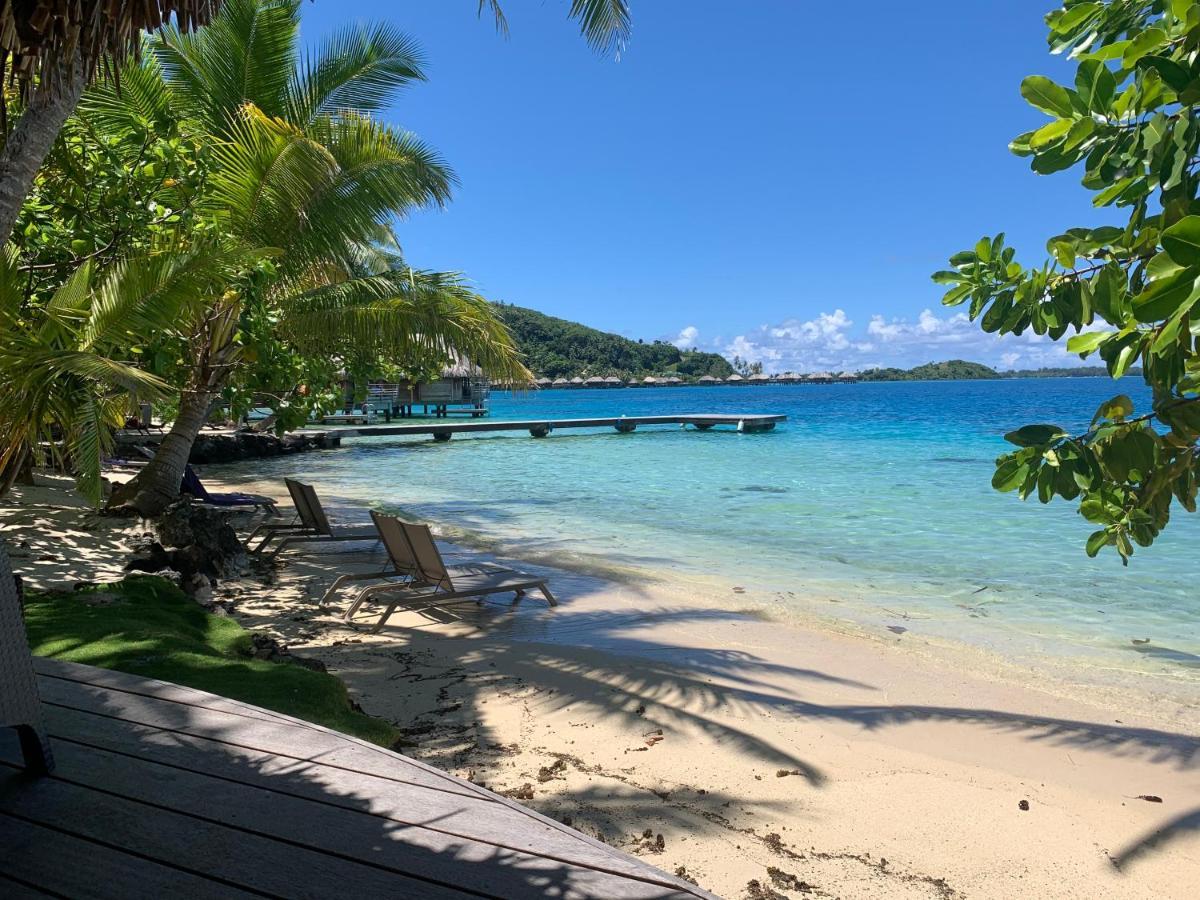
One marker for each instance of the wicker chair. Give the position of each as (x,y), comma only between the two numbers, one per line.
(19,703)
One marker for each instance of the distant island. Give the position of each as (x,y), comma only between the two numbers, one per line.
(963,370)
(562,353)
(558,348)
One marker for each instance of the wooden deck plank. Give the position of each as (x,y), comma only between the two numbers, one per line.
(67,866)
(148,687)
(347,832)
(15,890)
(280,738)
(204,849)
(492,823)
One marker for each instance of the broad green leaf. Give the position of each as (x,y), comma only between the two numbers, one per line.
(1050,133)
(1010,474)
(1182,241)
(1083,344)
(945,277)
(1175,76)
(1117,409)
(1095,84)
(1034,435)
(1142,44)
(1165,297)
(1044,94)
(1097,541)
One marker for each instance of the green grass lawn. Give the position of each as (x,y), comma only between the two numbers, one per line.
(154,630)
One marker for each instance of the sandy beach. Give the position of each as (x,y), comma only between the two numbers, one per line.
(758,757)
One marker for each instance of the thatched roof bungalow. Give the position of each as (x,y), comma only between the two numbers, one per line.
(708,379)
(560,382)
(760,378)
(672,380)
(543,382)
(734,378)
(576,382)
(614,381)
(649,380)
(37,37)
(594,381)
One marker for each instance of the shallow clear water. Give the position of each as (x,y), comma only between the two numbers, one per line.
(872,503)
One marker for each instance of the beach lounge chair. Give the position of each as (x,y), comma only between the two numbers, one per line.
(298,525)
(314,526)
(434,584)
(401,565)
(194,487)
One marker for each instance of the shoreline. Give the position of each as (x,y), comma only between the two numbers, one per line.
(787,754)
(1109,676)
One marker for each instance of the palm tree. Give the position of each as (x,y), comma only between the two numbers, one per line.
(62,386)
(303,172)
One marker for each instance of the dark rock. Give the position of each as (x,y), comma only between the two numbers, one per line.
(1023,806)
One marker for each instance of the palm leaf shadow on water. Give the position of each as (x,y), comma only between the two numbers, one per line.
(194,800)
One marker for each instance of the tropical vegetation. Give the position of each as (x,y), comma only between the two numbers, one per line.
(1125,292)
(558,348)
(263,170)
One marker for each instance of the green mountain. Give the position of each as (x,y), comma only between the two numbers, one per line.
(557,348)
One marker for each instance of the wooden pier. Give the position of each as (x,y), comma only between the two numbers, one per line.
(443,431)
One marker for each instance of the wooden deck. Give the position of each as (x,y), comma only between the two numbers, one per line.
(542,427)
(164,791)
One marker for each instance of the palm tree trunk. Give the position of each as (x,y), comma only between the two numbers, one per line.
(157,485)
(34,135)
(19,470)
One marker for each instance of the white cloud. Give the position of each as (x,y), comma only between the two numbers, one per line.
(687,337)
(830,341)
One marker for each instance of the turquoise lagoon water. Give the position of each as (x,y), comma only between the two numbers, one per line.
(872,504)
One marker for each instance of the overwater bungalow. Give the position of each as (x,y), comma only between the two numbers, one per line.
(560,383)
(734,378)
(760,378)
(594,381)
(672,380)
(708,379)
(576,382)
(633,382)
(649,381)
(821,378)
(543,382)
(613,381)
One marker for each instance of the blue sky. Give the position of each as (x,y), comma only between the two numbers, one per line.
(755,177)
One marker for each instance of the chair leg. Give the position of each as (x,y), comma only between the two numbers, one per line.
(342,580)
(387,614)
(549,596)
(35,749)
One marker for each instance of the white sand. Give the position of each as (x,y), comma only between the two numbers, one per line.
(903,773)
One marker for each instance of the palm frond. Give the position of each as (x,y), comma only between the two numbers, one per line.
(405,312)
(155,293)
(247,54)
(604,24)
(142,104)
(319,193)
(358,69)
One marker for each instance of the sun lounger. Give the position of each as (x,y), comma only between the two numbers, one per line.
(314,526)
(194,487)
(434,583)
(401,564)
